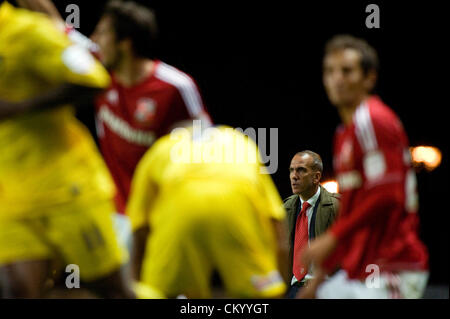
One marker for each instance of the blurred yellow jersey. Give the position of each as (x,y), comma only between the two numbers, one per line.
(209,206)
(47,157)
(225,156)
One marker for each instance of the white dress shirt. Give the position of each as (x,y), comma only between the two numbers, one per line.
(309,212)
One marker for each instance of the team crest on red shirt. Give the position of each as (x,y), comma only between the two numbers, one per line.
(346,157)
(112,96)
(145,110)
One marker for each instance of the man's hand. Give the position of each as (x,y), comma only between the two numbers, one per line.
(309,291)
(319,250)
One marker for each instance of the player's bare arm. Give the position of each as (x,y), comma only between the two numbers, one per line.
(140,236)
(319,249)
(64,94)
(43,6)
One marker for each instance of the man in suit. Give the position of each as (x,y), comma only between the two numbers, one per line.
(310,211)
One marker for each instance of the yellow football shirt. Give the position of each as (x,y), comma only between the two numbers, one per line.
(226,155)
(209,206)
(47,157)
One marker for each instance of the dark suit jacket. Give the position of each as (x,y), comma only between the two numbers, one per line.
(325,212)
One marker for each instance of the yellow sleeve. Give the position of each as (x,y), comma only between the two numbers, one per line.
(274,203)
(53,57)
(146,182)
(268,198)
(143,192)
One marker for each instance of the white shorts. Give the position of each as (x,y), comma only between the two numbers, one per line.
(405,284)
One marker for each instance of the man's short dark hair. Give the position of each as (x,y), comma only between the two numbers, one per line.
(136,22)
(317,164)
(369,56)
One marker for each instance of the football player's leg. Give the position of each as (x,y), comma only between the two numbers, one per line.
(24,279)
(175,260)
(116,285)
(85,237)
(243,250)
(24,258)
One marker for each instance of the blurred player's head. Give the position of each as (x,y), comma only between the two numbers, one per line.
(12,2)
(305,173)
(349,70)
(126,28)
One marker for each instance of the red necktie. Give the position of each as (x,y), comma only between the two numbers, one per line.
(301,241)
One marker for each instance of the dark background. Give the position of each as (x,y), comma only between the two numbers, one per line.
(259,65)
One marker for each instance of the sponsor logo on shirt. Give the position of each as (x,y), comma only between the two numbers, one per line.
(374,165)
(123,129)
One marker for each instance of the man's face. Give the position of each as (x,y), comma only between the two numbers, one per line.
(303,177)
(344,78)
(105,37)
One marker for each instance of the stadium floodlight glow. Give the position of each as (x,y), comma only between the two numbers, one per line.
(428,156)
(331,186)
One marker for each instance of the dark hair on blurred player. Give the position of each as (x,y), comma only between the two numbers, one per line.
(350,72)
(369,57)
(134,22)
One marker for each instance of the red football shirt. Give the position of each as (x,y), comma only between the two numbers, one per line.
(378,220)
(130,119)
